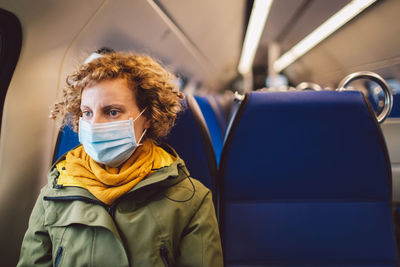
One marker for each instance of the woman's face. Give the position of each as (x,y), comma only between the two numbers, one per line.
(112,100)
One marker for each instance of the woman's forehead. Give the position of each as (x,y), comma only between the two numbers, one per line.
(108,91)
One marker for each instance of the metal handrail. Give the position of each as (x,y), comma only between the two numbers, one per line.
(380,81)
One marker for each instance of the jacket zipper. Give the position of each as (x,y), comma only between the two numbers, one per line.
(164,255)
(110,208)
(58,256)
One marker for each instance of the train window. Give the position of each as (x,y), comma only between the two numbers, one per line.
(10,47)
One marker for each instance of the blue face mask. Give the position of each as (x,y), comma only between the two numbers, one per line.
(110,143)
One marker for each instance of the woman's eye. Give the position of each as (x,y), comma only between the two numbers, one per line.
(86,113)
(113,113)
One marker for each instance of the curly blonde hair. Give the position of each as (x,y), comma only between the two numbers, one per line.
(151,84)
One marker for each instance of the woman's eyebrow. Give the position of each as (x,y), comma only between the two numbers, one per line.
(118,106)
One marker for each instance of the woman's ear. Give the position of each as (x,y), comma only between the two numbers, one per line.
(147,124)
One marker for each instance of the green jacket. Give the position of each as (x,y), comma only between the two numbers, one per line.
(165,220)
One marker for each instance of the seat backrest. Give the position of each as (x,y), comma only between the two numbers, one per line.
(191,140)
(306,182)
(213,126)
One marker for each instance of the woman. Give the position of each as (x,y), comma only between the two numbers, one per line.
(121,199)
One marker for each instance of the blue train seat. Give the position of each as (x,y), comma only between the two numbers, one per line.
(306,181)
(213,124)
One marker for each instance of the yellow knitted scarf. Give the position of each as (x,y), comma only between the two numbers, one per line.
(107,183)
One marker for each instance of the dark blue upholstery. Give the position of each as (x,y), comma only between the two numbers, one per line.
(66,140)
(306,182)
(191,140)
(213,126)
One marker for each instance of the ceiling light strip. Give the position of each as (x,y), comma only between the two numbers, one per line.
(255,28)
(323,31)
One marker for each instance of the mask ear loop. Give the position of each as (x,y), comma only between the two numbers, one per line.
(140,139)
(145,130)
(140,114)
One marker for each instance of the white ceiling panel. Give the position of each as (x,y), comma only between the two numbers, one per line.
(216,29)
